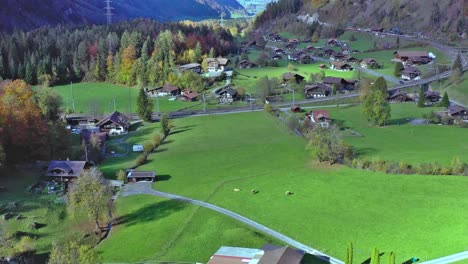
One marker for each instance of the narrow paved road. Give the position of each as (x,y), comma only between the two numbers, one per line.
(145,188)
(448,259)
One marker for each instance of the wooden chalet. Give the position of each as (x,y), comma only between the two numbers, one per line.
(332,42)
(413,57)
(310,48)
(291,45)
(216,64)
(369,63)
(278,51)
(114,124)
(276,57)
(227,95)
(317,90)
(189,95)
(432,96)
(281,255)
(245,64)
(296,109)
(337,56)
(323,66)
(410,73)
(167,89)
(340,66)
(329,52)
(319,117)
(287,77)
(65,170)
(350,59)
(135,176)
(305,59)
(343,84)
(275,37)
(399,97)
(457,111)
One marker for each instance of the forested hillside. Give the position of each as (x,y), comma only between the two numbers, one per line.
(122,53)
(29,14)
(431,17)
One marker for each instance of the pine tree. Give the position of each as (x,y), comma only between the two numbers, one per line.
(457,64)
(28,74)
(398,68)
(144,106)
(198,52)
(421,98)
(445,100)
(212,53)
(349,254)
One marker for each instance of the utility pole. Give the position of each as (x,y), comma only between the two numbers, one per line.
(221,21)
(109,13)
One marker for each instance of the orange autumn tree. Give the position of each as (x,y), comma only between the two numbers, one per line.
(24,131)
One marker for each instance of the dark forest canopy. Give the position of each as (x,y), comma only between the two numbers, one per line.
(132,52)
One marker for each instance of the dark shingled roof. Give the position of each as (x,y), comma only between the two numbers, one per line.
(412,53)
(170,88)
(455,109)
(65,168)
(290,75)
(284,255)
(116,118)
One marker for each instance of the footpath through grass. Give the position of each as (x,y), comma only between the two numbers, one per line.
(208,157)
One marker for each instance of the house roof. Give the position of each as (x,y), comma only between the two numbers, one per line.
(412,53)
(189,66)
(339,64)
(333,80)
(190,94)
(290,75)
(246,62)
(65,168)
(431,94)
(317,114)
(141,174)
(455,109)
(411,69)
(228,90)
(235,255)
(116,117)
(220,61)
(369,60)
(284,255)
(309,87)
(170,88)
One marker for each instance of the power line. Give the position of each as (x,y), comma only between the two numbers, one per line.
(109,13)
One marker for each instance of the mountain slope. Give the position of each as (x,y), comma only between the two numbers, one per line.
(27,14)
(429,16)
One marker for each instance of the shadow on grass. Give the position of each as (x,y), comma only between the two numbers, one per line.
(167,142)
(368,261)
(365,151)
(160,150)
(151,212)
(177,131)
(164,177)
(398,121)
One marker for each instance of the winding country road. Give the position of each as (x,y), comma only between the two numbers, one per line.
(145,188)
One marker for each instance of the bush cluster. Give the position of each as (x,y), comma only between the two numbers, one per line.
(393,167)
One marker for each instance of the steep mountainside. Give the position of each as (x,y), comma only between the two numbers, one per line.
(27,14)
(255,6)
(428,16)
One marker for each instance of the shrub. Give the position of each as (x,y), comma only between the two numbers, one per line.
(140,160)
(267,108)
(393,168)
(147,147)
(292,67)
(156,140)
(120,175)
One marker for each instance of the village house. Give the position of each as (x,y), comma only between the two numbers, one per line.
(274,37)
(296,55)
(350,59)
(287,77)
(165,90)
(346,50)
(310,48)
(319,117)
(276,57)
(432,96)
(317,90)
(369,63)
(457,112)
(268,254)
(340,66)
(340,82)
(323,66)
(278,51)
(245,64)
(291,45)
(251,43)
(338,56)
(114,124)
(189,95)
(65,170)
(215,64)
(411,73)
(305,59)
(332,42)
(413,57)
(399,97)
(194,67)
(227,95)
(329,52)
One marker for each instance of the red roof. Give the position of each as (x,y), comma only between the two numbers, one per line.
(317,114)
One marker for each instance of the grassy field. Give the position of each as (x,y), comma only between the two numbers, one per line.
(330,205)
(458,92)
(153,228)
(90,97)
(34,208)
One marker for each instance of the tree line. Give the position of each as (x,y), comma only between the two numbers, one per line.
(136,52)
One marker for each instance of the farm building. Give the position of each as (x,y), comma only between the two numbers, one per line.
(189,95)
(268,254)
(342,83)
(338,56)
(65,170)
(413,57)
(320,117)
(167,89)
(245,64)
(292,76)
(305,59)
(135,176)
(400,97)
(350,59)
(340,66)
(227,95)
(278,51)
(432,96)
(457,111)
(280,255)
(195,67)
(114,124)
(317,90)
(276,57)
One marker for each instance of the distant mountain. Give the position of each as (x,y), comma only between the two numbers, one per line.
(28,14)
(429,16)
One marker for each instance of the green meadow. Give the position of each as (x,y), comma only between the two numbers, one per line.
(207,157)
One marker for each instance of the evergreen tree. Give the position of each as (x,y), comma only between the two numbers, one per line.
(398,68)
(457,64)
(445,100)
(212,53)
(421,98)
(144,106)
(349,254)
(198,52)
(165,125)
